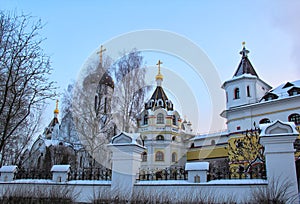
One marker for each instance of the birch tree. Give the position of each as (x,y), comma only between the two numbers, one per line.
(130,90)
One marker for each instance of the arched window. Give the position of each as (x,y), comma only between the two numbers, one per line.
(173,138)
(146,119)
(144,156)
(248,91)
(159,156)
(174,120)
(160,102)
(213,142)
(236,93)
(160,118)
(295,117)
(160,137)
(96,103)
(265,120)
(174,157)
(105,105)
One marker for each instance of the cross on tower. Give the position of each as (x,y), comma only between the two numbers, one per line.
(244,51)
(158,64)
(102,49)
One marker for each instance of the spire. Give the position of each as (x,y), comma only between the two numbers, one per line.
(245,66)
(102,49)
(56,111)
(244,52)
(159,77)
(159,98)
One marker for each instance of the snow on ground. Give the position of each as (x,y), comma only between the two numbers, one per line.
(214,182)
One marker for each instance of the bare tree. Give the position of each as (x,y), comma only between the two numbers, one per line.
(130,90)
(94,127)
(24,72)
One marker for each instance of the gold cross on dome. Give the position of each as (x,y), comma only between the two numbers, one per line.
(158,64)
(102,49)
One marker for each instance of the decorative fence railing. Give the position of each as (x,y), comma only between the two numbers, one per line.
(33,174)
(90,174)
(81,174)
(214,173)
(172,173)
(236,172)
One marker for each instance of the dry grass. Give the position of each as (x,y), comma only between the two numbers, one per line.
(46,195)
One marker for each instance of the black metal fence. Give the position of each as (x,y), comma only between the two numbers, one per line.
(81,174)
(237,172)
(172,173)
(91,174)
(214,173)
(33,174)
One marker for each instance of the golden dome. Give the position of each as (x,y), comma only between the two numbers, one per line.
(159,76)
(56,111)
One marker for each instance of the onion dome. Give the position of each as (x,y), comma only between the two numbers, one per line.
(107,80)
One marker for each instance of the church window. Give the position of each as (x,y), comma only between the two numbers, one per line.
(226,96)
(213,142)
(80,162)
(265,120)
(174,120)
(96,103)
(160,118)
(160,137)
(248,91)
(159,156)
(145,119)
(174,157)
(294,118)
(105,104)
(144,156)
(236,93)
(173,138)
(160,103)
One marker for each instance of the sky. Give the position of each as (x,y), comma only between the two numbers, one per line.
(76,28)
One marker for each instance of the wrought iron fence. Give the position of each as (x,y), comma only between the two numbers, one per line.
(80,174)
(90,174)
(171,173)
(237,172)
(33,174)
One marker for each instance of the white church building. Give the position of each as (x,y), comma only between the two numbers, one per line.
(169,139)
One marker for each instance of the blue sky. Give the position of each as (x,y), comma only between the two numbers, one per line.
(75,29)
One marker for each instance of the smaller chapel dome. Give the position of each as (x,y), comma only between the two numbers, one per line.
(107,80)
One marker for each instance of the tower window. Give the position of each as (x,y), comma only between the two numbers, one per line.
(236,93)
(160,118)
(160,102)
(145,119)
(105,105)
(96,102)
(174,157)
(226,96)
(248,91)
(144,156)
(294,118)
(265,120)
(160,137)
(174,120)
(159,156)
